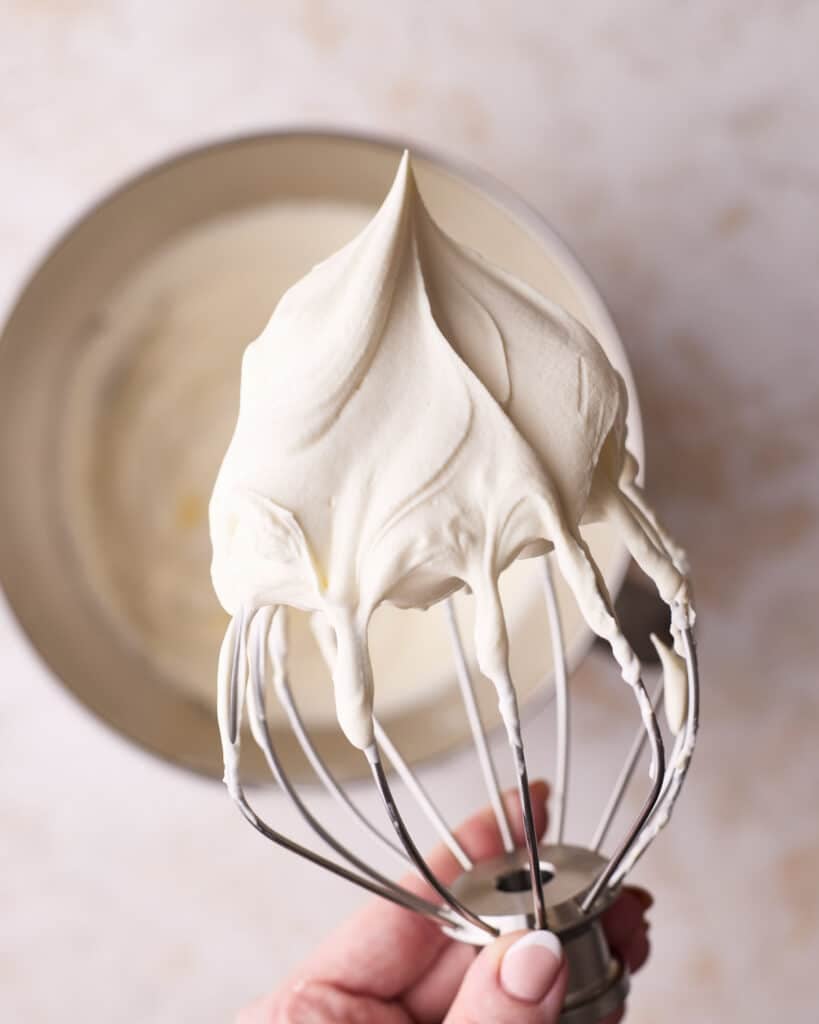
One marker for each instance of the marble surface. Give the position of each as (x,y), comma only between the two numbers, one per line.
(674,147)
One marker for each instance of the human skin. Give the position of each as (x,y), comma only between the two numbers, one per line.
(386,965)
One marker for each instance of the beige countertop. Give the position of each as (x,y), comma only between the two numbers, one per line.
(675,148)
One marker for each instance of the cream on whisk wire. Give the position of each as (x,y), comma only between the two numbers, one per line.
(413,419)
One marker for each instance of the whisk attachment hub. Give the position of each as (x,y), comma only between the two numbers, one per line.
(499,891)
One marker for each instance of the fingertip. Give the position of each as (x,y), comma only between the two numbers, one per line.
(638,951)
(622,921)
(643,896)
(520,978)
(530,966)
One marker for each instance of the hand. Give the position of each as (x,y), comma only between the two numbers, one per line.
(386,965)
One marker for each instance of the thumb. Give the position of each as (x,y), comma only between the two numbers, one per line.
(518,979)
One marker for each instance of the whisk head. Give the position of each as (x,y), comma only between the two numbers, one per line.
(551,884)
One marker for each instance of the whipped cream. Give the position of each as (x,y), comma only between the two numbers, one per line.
(675,685)
(412,420)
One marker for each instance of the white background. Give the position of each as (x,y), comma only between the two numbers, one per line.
(675,147)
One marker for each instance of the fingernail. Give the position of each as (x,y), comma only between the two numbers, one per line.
(530,966)
(644,897)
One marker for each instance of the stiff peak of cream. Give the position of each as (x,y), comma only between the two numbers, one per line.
(413,419)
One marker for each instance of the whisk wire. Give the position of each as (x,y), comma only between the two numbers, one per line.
(655,740)
(681,756)
(257,716)
(562,706)
(530,837)
(243,671)
(625,776)
(230,703)
(285,696)
(487,765)
(413,784)
(383,786)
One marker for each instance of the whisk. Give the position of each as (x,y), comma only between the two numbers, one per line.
(553,884)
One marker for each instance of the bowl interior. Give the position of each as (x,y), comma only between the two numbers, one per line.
(81,432)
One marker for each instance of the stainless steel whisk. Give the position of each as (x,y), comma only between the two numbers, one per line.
(553,884)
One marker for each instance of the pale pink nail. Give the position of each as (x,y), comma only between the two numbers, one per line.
(530,967)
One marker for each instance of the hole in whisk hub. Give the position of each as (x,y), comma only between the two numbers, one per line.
(520,879)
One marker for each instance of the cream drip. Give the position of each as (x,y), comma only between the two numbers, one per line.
(413,419)
(675,685)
